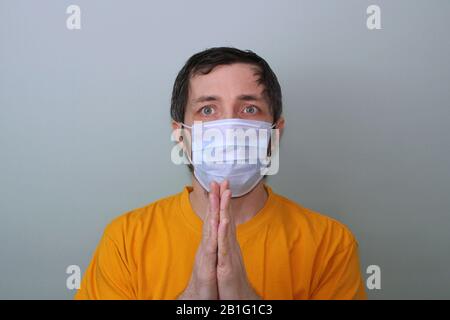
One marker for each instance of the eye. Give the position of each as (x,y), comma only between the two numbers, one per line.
(207,110)
(251,109)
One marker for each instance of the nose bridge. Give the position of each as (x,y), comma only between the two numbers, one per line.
(230,110)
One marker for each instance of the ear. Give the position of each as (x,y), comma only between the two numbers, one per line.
(176,130)
(280,125)
(180,135)
(176,125)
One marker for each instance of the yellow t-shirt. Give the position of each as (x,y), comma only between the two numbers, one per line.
(290,252)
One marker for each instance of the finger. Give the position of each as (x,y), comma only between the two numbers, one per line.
(227,213)
(225,199)
(224,185)
(214,188)
(211,220)
(214,201)
(224,225)
(223,243)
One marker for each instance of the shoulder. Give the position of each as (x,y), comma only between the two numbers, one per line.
(136,222)
(315,227)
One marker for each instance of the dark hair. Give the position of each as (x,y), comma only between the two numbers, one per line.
(205,61)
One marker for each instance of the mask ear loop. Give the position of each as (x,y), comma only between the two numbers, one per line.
(187,153)
(269,147)
(184,125)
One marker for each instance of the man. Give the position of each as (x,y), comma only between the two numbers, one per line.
(229,236)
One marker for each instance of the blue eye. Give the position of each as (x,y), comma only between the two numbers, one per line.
(207,110)
(251,109)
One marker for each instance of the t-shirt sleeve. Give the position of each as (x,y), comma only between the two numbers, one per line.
(341,277)
(108,276)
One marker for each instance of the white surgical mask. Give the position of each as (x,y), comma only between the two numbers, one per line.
(231,149)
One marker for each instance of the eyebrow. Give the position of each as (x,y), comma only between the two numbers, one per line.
(242,97)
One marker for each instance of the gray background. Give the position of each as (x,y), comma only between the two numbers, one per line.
(85,127)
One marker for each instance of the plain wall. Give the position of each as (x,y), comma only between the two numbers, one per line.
(85,126)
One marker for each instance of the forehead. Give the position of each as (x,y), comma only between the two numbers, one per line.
(223,80)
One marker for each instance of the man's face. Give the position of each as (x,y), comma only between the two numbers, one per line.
(228,91)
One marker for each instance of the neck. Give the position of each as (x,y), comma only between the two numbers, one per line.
(243,208)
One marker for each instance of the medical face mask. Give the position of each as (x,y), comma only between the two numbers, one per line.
(231,149)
